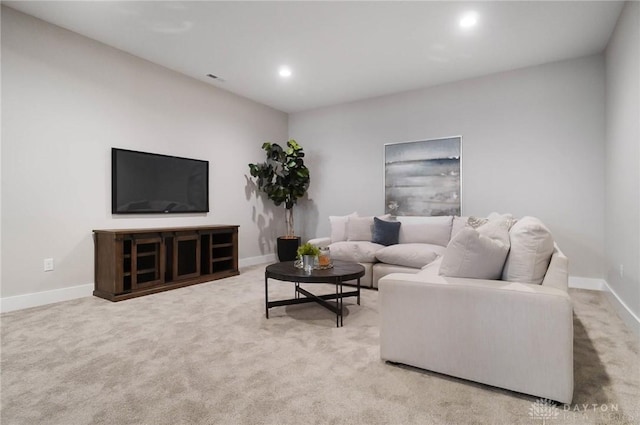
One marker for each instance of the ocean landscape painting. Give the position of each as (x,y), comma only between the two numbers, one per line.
(423,178)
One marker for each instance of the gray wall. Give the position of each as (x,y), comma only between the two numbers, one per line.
(66,100)
(622,225)
(532,145)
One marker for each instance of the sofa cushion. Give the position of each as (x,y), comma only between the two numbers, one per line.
(531,249)
(478,254)
(361,228)
(432,268)
(339,226)
(385,232)
(415,255)
(382,269)
(431,230)
(358,251)
(458,224)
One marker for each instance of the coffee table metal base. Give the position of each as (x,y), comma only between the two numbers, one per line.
(320,299)
(308,297)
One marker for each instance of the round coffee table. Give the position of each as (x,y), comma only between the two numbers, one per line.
(342,271)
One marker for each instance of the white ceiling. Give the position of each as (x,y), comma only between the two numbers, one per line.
(338,51)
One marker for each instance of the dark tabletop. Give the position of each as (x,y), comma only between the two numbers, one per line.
(341,271)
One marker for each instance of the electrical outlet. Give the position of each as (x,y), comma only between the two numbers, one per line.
(621,270)
(48,264)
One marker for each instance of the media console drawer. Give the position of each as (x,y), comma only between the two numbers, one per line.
(135,262)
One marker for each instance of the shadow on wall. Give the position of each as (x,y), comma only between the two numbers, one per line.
(268,230)
(307,217)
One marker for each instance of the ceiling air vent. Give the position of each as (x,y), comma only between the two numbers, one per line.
(215,77)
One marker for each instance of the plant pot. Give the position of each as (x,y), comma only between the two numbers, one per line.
(308,261)
(288,247)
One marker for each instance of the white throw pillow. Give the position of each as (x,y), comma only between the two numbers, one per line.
(497,216)
(458,224)
(339,226)
(498,229)
(531,249)
(415,255)
(476,222)
(361,228)
(477,254)
(432,230)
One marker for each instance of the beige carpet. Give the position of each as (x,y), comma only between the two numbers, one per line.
(205,354)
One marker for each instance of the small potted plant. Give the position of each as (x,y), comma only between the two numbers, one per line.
(308,253)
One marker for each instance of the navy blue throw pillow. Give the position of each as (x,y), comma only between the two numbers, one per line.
(385,232)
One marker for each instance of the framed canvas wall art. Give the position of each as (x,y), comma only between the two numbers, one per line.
(423,178)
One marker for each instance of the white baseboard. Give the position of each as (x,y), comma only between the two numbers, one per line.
(36,299)
(252,261)
(628,317)
(587,283)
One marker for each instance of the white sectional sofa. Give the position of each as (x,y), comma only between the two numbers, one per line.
(421,241)
(493,307)
(511,335)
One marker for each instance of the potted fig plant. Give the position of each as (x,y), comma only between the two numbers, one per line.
(284,178)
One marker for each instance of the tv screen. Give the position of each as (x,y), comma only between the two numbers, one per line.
(144,183)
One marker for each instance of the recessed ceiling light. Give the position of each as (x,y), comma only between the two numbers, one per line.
(469,20)
(284,72)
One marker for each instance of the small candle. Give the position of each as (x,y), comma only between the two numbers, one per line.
(324,259)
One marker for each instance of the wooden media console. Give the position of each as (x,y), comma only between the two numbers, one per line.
(135,262)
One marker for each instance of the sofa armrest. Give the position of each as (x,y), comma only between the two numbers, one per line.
(557,275)
(510,335)
(320,242)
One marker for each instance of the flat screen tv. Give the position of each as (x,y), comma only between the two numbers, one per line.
(149,183)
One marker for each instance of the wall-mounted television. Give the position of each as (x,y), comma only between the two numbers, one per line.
(149,183)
